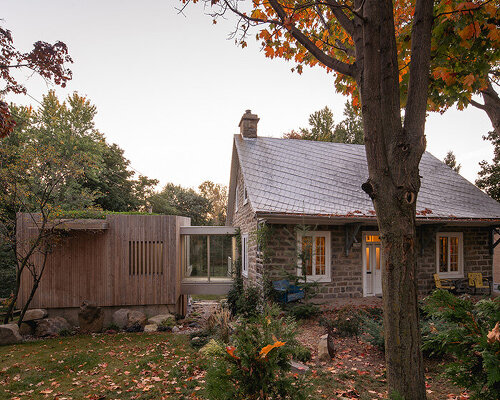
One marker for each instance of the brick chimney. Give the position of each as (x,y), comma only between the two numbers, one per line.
(248,125)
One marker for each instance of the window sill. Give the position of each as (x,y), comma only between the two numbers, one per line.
(319,279)
(450,275)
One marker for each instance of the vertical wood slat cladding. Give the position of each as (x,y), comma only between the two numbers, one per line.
(133,262)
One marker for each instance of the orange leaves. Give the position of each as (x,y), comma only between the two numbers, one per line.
(469,80)
(259,14)
(230,350)
(470,31)
(265,350)
(445,74)
(494,334)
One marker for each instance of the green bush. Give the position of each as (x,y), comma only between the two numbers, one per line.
(304,311)
(257,365)
(463,334)
(373,329)
(244,301)
(346,322)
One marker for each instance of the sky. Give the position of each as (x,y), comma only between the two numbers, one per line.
(170,88)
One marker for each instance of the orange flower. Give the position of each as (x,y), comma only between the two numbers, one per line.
(230,350)
(265,350)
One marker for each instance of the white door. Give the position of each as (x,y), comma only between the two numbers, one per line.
(372,262)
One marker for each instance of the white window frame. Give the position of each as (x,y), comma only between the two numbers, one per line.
(460,272)
(244,254)
(245,195)
(236,198)
(328,259)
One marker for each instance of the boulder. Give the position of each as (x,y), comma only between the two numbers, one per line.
(90,317)
(151,328)
(136,318)
(9,334)
(158,319)
(35,314)
(298,367)
(120,318)
(175,329)
(27,328)
(51,326)
(323,349)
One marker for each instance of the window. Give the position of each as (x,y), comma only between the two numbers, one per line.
(145,257)
(449,254)
(314,252)
(236,198)
(245,195)
(244,254)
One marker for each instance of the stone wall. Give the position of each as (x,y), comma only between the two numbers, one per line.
(245,219)
(346,271)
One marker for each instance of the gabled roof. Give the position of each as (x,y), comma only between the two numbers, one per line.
(300,177)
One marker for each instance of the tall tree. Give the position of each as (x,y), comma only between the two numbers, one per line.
(217,195)
(322,127)
(358,40)
(489,175)
(50,61)
(33,179)
(451,161)
(176,200)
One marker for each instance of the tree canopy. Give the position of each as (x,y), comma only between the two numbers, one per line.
(451,161)
(50,61)
(489,175)
(322,127)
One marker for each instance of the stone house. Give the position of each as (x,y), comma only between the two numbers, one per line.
(309,194)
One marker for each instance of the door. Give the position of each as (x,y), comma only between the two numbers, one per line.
(372,261)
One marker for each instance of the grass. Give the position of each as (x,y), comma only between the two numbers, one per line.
(122,366)
(156,366)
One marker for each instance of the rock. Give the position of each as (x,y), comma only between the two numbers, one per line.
(35,314)
(90,317)
(137,318)
(175,329)
(158,319)
(51,326)
(9,334)
(151,328)
(298,367)
(27,328)
(120,318)
(323,349)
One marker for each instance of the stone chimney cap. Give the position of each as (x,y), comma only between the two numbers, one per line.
(248,125)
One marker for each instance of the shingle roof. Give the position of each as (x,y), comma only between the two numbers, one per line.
(288,176)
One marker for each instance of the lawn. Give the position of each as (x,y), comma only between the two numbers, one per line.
(164,366)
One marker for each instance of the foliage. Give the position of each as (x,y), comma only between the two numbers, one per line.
(323,128)
(257,365)
(304,311)
(489,175)
(50,61)
(451,161)
(345,322)
(176,200)
(373,329)
(7,270)
(467,335)
(217,195)
(219,322)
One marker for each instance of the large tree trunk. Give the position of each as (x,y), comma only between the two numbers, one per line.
(393,156)
(492,107)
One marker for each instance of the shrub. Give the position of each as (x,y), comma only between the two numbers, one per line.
(373,328)
(243,301)
(257,365)
(304,311)
(468,334)
(345,323)
(219,322)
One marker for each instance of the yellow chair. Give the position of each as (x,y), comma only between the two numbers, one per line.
(443,283)
(477,281)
